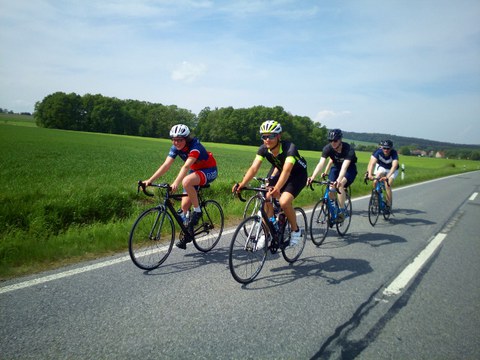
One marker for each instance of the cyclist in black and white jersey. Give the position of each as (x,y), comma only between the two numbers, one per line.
(384,163)
(288,177)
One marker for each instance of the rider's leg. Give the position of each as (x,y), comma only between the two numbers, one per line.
(388,187)
(268,207)
(286,203)
(342,196)
(189,182)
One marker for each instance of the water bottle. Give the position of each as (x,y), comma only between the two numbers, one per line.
(274,222)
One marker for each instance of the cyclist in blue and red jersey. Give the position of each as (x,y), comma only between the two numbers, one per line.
(200,168)
(344,170)
(384,163)
(288,177)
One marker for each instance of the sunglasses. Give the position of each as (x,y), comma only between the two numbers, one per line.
(269,137)
(177,139)
(385,148)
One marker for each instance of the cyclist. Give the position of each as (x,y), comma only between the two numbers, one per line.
(288,177)
(344,171)
(200,168)
(384,163)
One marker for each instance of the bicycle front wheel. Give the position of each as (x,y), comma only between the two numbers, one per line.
(373,208)
(319,222)
(151,238)
(292,252)
(247,253)
(210,227)
(342,227)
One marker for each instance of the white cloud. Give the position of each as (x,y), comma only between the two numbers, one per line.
(188,72)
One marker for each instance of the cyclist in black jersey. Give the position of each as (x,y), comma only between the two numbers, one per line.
(343,158)
(288,177)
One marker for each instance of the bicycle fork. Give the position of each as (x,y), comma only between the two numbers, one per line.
(253,236)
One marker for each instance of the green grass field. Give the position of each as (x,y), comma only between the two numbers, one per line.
(68,196)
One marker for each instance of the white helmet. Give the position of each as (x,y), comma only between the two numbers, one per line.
(179,130)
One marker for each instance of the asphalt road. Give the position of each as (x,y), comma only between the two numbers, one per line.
(344,299)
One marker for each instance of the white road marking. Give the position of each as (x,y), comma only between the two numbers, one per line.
(474,195)
(402,280)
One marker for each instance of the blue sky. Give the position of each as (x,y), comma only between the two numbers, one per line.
(408,68)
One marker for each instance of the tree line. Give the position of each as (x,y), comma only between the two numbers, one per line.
(97,113)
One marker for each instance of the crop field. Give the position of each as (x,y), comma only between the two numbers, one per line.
(68,196)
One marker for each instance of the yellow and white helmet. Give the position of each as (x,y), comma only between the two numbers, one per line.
(270,127)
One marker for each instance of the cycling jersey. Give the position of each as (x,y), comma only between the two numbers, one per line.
(383,160)
(347,153)
(288,153)
(194,149)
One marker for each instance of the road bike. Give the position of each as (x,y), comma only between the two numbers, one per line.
(256,235)
(153,233)
(326,213)
(377,204)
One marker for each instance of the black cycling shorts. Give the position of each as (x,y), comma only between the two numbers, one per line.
(294,184)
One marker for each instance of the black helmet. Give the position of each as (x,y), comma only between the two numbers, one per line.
(335,134)
(387,144)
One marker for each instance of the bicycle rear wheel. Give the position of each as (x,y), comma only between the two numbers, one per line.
(245,260)
(210,227)
(151,238)
(292,253)
(342,227)
(373,208)
(319,222)
(387,211)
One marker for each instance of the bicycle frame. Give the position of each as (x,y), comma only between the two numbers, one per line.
(380,189)
(277,236)
(168,204)
(333,207)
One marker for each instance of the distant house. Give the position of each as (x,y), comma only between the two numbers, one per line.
(440,154)
(418,152)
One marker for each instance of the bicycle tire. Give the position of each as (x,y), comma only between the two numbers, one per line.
(319,222)
(292,253)
(244,261)
(151,238)
(210,227)
(373,208)
(386,214)
(342,227)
